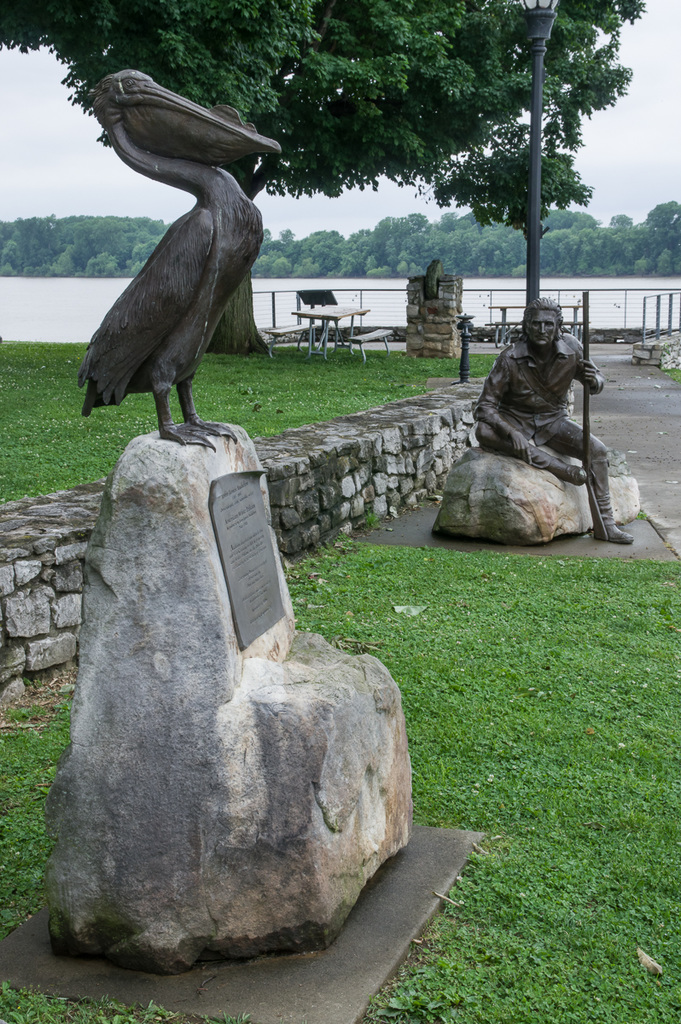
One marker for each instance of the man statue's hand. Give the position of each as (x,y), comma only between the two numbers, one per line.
(520,444)
(591,375)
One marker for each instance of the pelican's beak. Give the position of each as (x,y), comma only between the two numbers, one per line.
(168,124)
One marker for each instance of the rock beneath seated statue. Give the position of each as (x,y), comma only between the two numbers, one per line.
(212,797)
(499,498)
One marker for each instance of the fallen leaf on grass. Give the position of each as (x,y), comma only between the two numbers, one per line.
(409,609)
(479,849)
(348,643)
(648,962)
(446,898)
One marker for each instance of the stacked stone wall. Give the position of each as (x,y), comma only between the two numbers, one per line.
(42,546)
(323,480)
(670,357)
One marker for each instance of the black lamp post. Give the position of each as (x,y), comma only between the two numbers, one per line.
(539,15)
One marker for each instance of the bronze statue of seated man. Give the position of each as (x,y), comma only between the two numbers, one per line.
(524,404)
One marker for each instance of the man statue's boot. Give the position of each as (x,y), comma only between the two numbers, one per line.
(601,488)
(563,470)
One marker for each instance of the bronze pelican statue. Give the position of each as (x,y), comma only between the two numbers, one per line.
(156,333)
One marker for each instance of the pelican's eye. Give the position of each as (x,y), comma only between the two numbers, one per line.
(130,83)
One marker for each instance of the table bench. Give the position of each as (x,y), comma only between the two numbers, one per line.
(360,339)
(277,334)
(327,316)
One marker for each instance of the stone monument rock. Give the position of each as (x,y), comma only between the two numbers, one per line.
(494,497)
(225,789)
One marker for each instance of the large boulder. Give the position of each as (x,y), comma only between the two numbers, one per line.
(499,498)
(211,797)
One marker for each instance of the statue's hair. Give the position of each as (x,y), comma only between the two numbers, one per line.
(547,305)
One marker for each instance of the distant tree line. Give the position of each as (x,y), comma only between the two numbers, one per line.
(576,244)
(77,246)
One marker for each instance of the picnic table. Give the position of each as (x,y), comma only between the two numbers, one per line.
(327,316)
(329,313)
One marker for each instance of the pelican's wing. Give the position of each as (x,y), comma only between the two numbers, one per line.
(150,307)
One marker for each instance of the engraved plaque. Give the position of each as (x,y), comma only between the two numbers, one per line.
(248,559)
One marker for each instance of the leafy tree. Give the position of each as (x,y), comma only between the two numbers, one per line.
(665,263)
(664,226)
(621,221)
(561,220)
(9,257)
(422,91)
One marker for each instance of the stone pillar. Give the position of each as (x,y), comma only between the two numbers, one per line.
(431,322)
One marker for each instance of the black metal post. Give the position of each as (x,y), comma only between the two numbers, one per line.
(534,186)
(464,321)
(539,22)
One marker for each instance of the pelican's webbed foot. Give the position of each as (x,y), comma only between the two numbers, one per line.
(183,434)
(215,429)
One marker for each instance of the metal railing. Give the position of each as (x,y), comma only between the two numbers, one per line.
(611,308)
(664,302)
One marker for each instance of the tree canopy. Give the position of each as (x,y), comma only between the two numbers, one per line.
(425,92)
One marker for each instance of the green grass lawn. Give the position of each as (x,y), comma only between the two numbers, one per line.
(47,445)
(547,715)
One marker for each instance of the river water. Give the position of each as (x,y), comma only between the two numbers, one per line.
(58,309)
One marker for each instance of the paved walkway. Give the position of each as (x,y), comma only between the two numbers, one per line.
(639,412)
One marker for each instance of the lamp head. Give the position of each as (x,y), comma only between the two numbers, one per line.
(539,16)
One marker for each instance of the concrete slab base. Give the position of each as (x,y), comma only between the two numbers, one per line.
(413,529)
(332,987)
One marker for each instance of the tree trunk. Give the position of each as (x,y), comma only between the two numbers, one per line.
(236,333)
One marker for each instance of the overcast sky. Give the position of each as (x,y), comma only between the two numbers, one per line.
(50,161)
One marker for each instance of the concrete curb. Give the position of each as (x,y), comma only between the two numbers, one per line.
(332,987)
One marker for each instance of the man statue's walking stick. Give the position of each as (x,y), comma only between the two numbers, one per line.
(600,532)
